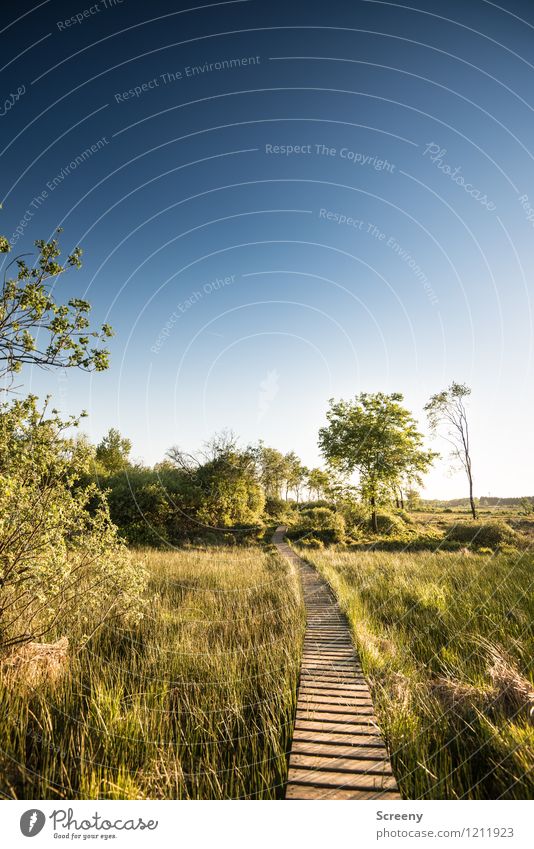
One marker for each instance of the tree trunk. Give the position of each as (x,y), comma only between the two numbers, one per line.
(471,499)
(401,500)
(373,515)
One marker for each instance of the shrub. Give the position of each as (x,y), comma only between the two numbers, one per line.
(312,505)
(278,510)
(389,524)
(356,515)
(312,542)
(140,507)
(493,534)
(60,564)
(322,523)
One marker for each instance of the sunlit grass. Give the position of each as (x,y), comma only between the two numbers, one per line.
(195,702)
(446,641)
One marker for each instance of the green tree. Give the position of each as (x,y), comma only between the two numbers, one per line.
(37,330)
(413,499)
(231,493)
(318,482)
(61,561)
(113,452)
(377,437)
(221,487)
(142,505)
(447,410)
(272,470)
(295,474)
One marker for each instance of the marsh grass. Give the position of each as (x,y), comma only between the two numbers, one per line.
(196,701)
(446,642)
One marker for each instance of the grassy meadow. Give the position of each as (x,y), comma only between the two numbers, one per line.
(196,701)
(446,642)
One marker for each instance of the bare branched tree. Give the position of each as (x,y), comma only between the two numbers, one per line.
(447,409)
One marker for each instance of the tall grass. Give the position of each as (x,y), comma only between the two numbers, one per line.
(446,641)
(197,701)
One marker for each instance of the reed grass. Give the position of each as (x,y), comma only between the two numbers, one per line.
(195,702)
(446,642)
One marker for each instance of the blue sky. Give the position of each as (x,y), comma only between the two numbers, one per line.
(338,202)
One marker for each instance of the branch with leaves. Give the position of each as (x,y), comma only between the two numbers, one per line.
(37,330)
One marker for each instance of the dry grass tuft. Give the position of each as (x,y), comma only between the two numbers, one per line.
(513,692)
(459,696)
(34,663)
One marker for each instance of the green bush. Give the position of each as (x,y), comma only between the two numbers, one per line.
(313,505)
(278,510)
(320,522)
(492,534)
(389,524)
(62,565)
(311,542)
(356,515)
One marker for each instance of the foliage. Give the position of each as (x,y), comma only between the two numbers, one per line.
(34,328)
(113,452)
(526,506)
(60,563)
(318,483)
(311,542)
(377,437)
(141,506)
(231,493)
(355,513)
(296,474)
(389,523)
(189,497)
(279,510)
(492,534)
(413,499)
(272,470)
(321,522)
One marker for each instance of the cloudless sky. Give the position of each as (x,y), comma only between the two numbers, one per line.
(239,295)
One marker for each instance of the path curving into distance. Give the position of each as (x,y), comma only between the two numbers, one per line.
(337,750)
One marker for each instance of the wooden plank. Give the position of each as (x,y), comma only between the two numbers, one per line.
(333,716)
(299,791)
(341,750)
(346,699)
(347,780)
(339,763)
(335,727)
(337,751)
(341,691)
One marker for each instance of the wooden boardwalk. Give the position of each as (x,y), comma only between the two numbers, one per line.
(337,751)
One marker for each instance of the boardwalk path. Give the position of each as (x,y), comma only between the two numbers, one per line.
(337,751)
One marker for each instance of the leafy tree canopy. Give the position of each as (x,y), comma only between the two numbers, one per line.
(376,436)
(113,452)
(36,329)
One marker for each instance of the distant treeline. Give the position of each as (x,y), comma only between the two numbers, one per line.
(483,501)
